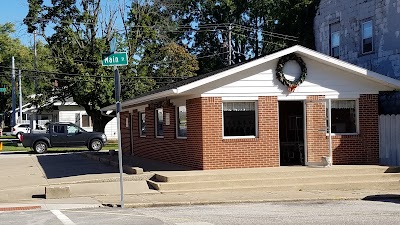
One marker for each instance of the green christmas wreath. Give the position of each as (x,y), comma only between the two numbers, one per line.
(281,77)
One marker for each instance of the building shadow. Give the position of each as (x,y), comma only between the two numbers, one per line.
(393,198)
(71,164)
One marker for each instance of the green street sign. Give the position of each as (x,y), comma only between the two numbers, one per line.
(114,59)
(2,89)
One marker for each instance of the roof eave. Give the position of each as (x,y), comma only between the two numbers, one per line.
(138,101)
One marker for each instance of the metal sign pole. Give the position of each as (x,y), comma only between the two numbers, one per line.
(118,110)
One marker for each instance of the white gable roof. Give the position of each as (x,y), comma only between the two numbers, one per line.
(185,88)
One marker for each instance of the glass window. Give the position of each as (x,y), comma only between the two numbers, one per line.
(343,115)
(86,121)
(159,123)
(72,129)
(367,37)
(335,43)
(142,123)
(181,121)
(239,118)
(59,129)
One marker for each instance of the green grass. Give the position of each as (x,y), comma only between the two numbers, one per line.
(10,147)
(7,137)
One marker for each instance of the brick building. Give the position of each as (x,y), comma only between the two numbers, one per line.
(365,33)
(243,116)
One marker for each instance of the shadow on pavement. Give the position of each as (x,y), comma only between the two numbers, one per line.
(146,164)
(383,198)
(71,164)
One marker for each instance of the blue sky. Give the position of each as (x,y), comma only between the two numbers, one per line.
(14,11)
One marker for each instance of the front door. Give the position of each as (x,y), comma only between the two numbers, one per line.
(291,133)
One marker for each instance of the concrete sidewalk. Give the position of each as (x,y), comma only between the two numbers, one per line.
(95,183)
(243,196)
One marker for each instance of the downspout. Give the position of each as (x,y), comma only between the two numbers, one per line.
(330,161)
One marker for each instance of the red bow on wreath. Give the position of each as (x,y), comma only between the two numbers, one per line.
(291,88)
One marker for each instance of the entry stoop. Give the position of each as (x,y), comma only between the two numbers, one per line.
(280,179)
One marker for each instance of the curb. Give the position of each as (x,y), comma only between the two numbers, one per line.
(169,204)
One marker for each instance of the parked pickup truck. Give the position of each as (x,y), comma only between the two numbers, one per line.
(63,135)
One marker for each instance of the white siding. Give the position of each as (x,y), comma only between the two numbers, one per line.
(70,116)
(321,80)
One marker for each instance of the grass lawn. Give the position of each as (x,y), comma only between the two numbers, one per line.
(8,147)
(7,137)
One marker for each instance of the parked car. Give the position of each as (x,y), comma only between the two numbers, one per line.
(63,135)
(21,128)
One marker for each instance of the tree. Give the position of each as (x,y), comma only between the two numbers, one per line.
(23,55)
(81,31)
(258,27)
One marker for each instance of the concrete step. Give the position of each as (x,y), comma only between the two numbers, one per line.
(267,173)
(103,189)
(388,185)
(284,180)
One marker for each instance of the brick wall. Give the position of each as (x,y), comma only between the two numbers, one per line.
(206,149)
(186,152)
(346,149)
(125,133)
(222,153)
(317,142)
(364,147)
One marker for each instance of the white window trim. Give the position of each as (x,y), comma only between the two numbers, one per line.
(90,121)
(256,121)
(156,122)
(177,123)
(357,118)
(362,36)
(331,45)
(140,123)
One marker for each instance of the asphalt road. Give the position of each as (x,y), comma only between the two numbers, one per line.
(321,212)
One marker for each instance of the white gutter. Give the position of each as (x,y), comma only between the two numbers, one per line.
(143,99)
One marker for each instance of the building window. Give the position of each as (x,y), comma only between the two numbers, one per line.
(181,121)
(335,43)
(344,116)
(239,119)
(142,124)
(86,121)
(367,37)
(159,123)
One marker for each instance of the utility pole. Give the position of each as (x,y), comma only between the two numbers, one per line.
(230,44)
(13,91)
(20,96)
(32,122)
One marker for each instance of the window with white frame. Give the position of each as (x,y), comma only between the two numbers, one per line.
(159,123)
(142,124)
(86,121)
(344,116)
(335,43)
(367,38)
(239,119)
(181,122)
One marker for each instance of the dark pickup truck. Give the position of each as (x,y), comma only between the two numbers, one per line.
(63,135)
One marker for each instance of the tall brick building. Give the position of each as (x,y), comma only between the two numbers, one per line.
(362,32)
(244,116)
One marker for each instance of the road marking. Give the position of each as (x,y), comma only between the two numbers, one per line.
(63,218)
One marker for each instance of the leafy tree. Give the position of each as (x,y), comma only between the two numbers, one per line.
(24,61)
(79,36)
(258,27)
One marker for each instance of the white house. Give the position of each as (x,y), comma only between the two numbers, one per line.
(68,111)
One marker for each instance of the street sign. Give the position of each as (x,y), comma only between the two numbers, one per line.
(2,89)
(114,59)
